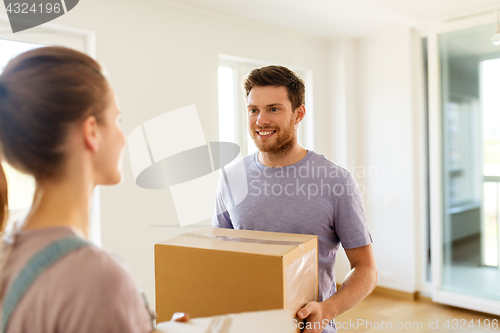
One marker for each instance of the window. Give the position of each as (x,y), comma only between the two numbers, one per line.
(227,124)
(464,141)
(490,85)
(21,186)
(232,108)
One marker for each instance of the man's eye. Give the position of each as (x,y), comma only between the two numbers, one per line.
(252,110)
(274,109)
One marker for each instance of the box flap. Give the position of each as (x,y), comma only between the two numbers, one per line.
(245,241)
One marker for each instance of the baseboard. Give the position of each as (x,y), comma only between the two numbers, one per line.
(425,299)
(403,295)
(398,294)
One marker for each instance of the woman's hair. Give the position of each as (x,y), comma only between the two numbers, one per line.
(43,92)
(4,201)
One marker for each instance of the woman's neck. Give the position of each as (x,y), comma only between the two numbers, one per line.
(62,203)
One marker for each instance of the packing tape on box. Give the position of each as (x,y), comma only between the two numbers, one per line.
(297,283)
(221,324)
(241,240)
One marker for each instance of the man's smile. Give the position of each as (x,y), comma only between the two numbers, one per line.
(265,133)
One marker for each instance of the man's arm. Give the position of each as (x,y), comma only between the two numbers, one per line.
(359,283)
(221,218)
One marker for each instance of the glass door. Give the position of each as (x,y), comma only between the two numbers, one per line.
(467,244)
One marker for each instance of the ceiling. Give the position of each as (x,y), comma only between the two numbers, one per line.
(355,18)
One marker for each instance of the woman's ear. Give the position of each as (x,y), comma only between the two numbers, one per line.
(91,133)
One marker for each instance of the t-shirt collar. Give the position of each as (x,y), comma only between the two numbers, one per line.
(297,164)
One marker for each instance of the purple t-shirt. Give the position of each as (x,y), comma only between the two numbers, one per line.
(313,196)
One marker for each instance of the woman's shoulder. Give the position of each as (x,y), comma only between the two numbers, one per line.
(98,278)
(98,269)
(84,263)
(88,289)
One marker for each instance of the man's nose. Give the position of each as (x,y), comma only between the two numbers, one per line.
(263,120)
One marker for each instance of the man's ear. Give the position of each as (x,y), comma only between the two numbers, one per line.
(90,133)
(300,114)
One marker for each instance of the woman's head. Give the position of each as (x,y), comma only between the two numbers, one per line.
(44,94)
(103,143)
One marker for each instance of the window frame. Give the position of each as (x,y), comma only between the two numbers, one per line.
(241,67)
(78,39)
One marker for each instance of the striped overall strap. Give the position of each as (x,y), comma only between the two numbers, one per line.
(42,260)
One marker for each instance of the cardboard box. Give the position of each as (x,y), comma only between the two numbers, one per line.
(272,321)
(214,272)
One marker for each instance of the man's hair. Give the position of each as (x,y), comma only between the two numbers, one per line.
(278,76)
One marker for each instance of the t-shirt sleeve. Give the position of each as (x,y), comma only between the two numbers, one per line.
(221,218)
(350,219)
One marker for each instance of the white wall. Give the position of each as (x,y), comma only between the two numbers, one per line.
(160,57)
(343,80)
(376,133)
(343,117)
(389,140)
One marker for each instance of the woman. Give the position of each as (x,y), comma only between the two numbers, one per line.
(59,123)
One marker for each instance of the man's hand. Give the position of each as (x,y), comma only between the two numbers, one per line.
(314,314)
(180,316)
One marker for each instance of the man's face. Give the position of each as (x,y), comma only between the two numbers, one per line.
(271,120)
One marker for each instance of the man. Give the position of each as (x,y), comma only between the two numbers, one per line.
(294,190)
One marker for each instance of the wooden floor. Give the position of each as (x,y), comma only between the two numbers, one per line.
(380,313)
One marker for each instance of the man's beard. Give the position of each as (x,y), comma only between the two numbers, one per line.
(281,145)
